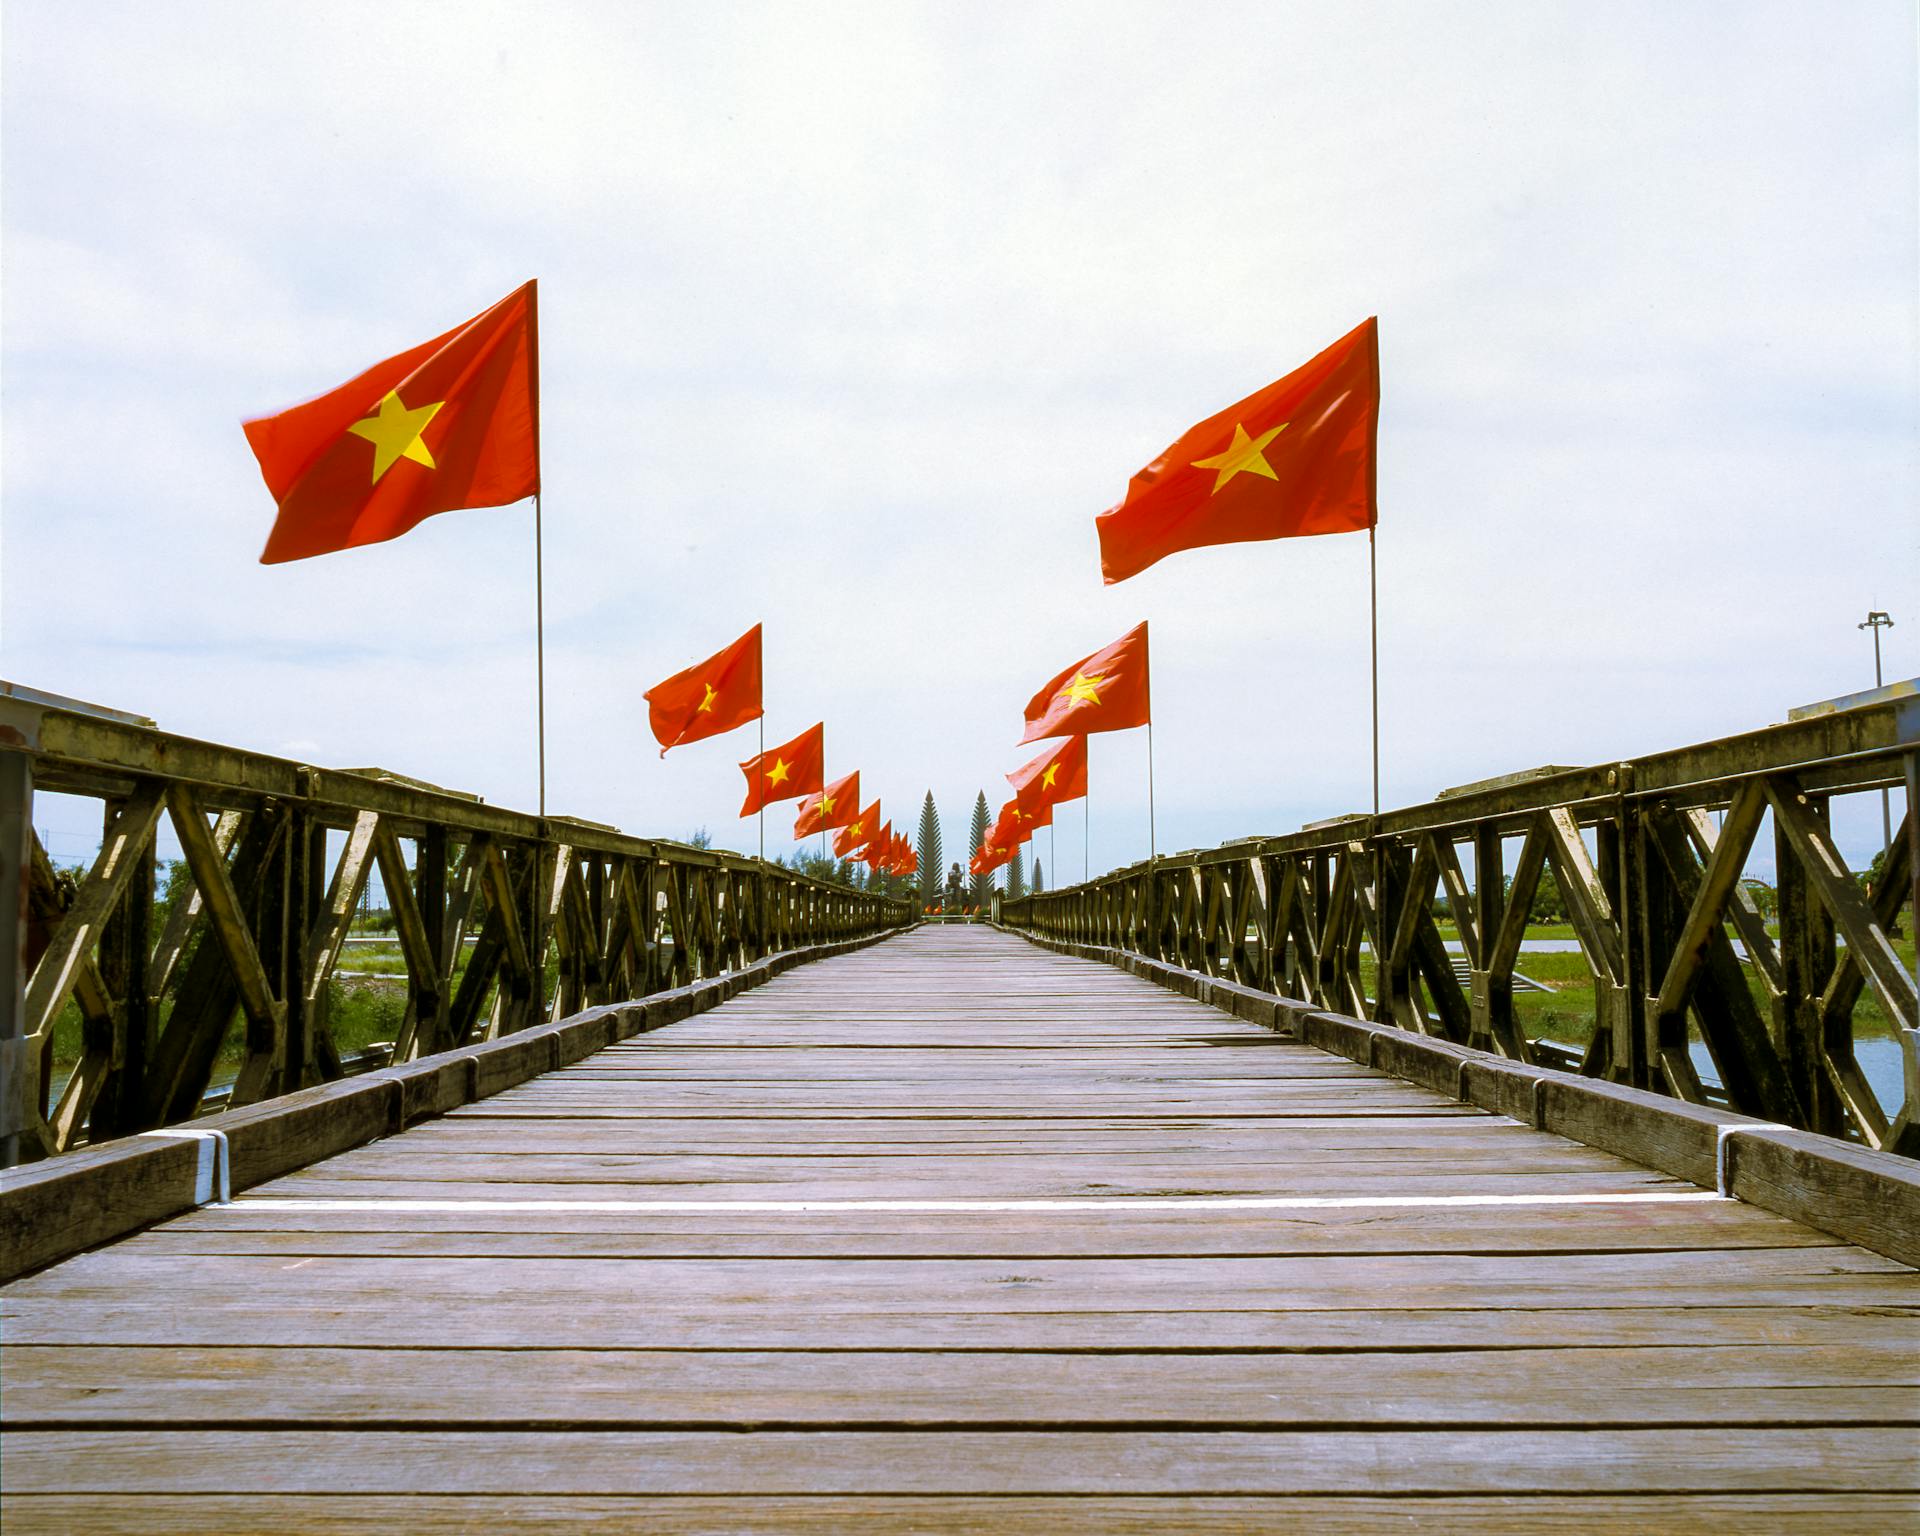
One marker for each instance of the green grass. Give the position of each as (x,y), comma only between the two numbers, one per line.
(394,964)
(1567,1012)
(361,1012)
(1534,930)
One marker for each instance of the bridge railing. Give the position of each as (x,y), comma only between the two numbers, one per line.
(1346,915)
(504,920)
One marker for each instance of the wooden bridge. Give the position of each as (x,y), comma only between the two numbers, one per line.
(724,1201)
(953,1233)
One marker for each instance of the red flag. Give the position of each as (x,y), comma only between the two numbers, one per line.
(710,697)
(1294,458)
(834,806)
(451,423)
(876,851)
(1106,691)
(1057,774)
(1029,819)
(991,856)
(786,773)
(857,833)
(1017,822)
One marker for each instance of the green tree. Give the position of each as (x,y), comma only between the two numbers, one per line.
(820,866)
(1017,872)
(933,867)
(978,886)
(176,884)
(1548,907)
(1868,879)
(1039,878)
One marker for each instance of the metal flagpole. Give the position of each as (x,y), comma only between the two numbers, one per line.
(540,648)
(757,768)
(1153,839)
(1086,822)
(1373,615)
(1877,621)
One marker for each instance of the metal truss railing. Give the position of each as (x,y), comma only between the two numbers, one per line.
(1343,915)
(504,920)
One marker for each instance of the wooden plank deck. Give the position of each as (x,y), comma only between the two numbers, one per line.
(957,1234)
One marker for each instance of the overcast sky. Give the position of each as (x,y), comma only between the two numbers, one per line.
(853,317)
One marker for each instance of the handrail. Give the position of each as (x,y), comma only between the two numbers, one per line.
(1653,893)
(486,902)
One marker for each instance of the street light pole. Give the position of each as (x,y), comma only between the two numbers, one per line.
(1877,621)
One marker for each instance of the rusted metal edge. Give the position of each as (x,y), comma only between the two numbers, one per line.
(1859,1195)
(52,1210)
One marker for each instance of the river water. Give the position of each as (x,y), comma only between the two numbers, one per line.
(1878,1055)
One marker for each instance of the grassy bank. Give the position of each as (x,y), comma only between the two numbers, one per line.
(362,1010)
(1566,1011)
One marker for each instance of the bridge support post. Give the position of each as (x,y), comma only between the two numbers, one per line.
(1492,994)
(306,894)
(16,852)
(125,942)
(1807,958)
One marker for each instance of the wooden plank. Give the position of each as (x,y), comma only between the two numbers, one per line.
(1135,1229)
(1863,1195)
(946,1323)
(348,1286)
(53,1387)
(981,1463)
(885,1368)
(1680,1514)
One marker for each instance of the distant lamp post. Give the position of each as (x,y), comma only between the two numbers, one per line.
(1877,621)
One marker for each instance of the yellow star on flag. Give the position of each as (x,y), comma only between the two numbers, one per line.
(1083,688)
(1052,773)
(395,432)
(706,704)
(778,773)
(826,804)
(854,830)
(1246,455)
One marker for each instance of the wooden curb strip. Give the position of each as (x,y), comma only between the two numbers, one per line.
(1866,1197)
(52,1210)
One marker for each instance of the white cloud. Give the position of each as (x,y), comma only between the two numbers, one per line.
(853,316)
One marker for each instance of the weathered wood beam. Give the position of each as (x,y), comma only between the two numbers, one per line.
(73,942)
(1833,883)
(1705,975)
(226,918)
